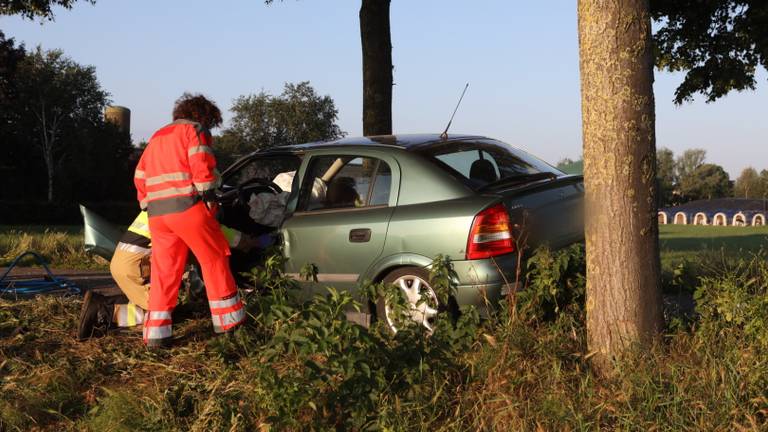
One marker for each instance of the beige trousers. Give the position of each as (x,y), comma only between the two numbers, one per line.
(131,272)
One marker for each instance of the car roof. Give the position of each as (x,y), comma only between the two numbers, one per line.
(404,141)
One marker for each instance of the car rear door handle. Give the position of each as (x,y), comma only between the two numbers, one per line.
(360,235)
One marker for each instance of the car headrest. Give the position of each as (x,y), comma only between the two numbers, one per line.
(483,170)
(341,193)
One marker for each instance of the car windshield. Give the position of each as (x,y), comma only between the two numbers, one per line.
(484,163)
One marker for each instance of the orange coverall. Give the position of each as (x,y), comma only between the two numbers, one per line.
(175,170)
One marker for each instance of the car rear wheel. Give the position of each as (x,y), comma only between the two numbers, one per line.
(421,299)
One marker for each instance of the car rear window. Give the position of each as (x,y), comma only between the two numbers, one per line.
(482,162)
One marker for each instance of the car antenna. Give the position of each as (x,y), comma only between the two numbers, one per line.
(444,135)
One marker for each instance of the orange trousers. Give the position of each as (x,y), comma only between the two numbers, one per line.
(173,235)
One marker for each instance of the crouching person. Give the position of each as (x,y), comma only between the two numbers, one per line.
(130,268)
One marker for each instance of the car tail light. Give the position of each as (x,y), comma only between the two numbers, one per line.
(491,234)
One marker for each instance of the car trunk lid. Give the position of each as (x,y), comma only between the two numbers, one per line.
(545,210)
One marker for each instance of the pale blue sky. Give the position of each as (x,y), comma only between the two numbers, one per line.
(520,58)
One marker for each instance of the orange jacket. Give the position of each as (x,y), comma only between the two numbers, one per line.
(176,168)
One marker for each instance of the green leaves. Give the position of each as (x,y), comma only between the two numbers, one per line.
(443,278)
(31,9)
(718,43)
(554,281)
(298,115)
(735,302)
(319,362)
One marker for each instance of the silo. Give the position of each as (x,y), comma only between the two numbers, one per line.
(120,116)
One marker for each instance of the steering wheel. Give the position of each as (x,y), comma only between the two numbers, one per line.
(233,203)
(243,192)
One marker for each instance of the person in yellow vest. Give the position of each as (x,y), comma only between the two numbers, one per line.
(130,269)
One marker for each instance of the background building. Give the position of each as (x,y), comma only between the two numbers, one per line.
(718,212)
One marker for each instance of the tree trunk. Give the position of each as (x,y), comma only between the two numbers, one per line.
(377,67)
(623,288)
(50,171)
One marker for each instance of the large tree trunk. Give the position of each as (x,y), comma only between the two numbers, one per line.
(377,67)
(623,293)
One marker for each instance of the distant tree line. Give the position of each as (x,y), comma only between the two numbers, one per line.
(689,177)
(751,184)
(56,145)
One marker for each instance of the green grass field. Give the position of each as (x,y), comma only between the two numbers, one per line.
(680,243)
(697,238)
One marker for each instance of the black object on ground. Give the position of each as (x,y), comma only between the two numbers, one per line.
(95,316)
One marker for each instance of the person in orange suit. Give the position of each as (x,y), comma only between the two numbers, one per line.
(175,180)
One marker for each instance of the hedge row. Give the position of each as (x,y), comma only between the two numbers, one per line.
(44,213)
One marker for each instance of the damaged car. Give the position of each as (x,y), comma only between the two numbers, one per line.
(381,209)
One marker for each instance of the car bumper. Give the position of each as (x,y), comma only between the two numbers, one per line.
(482,283)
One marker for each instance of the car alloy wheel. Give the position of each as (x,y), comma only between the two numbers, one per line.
(420,298)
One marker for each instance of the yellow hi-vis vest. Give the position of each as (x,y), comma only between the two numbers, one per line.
(140,226)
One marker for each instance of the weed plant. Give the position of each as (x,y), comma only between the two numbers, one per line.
(299,364)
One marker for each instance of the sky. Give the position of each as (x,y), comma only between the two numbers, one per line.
(520,59)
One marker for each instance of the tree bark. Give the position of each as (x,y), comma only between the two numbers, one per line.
(623,284)
(46,145)
(50,172)
(377,67)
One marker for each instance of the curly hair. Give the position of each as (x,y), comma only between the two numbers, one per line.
(197,108)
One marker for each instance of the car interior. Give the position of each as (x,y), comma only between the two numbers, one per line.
(482,170)
(336,184)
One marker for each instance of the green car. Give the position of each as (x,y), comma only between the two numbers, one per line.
(382,208)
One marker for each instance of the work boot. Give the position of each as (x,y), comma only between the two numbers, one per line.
(159,344)
(186,311)
(95,316)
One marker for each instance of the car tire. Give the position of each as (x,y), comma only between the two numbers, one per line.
(405,278)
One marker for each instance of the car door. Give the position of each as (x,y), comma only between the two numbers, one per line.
(342,214)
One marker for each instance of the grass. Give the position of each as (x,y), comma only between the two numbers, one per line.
(691,251)
(691,239)
(61,246)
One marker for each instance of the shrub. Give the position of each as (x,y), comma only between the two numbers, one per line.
(736,302)
(554,283)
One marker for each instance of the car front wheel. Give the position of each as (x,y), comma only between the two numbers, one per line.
(422,306)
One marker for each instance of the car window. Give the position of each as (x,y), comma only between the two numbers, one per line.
(279,169)
(381,186)
(482,162)
(339,182)
(462,161)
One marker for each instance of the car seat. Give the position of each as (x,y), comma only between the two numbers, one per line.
(482,170)
(341,193)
